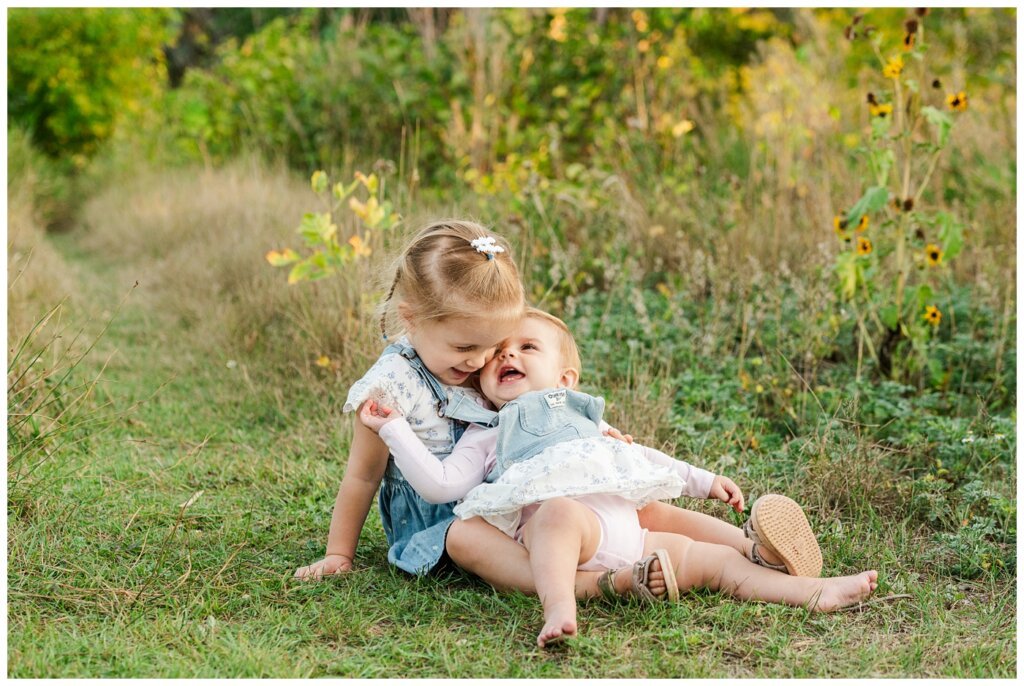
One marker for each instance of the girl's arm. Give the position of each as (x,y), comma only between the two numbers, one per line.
(434,480)
(367,460)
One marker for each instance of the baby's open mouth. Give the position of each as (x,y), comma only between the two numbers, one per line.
(509,374)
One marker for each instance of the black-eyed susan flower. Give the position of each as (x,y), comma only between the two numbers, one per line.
(863,245)
(932,315)
(933,254)
(957,101)
(862,225)
(893,68)
(880,109)
(936,84)
(839,225)
(911,35)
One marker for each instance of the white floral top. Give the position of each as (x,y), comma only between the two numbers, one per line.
(392,381)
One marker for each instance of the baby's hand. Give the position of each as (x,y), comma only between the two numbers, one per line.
(723,488)
(373,415)
(331,564)
(612,432)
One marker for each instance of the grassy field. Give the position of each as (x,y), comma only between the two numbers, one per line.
(155,517)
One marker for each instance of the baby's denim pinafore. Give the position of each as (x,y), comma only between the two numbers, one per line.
(533,421)
(415,529)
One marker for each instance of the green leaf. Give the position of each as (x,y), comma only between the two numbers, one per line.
(942,122)
(317,228)
(318,181)
(890,315)
(872,201)
(881,162)
(846,274)
(924,295)
(951,233)
(312,268)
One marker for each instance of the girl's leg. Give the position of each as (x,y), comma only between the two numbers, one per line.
(660,516)
(560,535)
(480,549)
(722,568)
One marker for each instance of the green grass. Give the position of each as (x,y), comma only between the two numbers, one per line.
(110,575)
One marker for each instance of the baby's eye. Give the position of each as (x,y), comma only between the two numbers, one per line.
(529,346)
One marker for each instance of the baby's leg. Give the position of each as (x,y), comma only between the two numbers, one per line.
(480,549)
(722,568)
(660,516)
(560,535)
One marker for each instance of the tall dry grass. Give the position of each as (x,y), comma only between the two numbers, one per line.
(196,239)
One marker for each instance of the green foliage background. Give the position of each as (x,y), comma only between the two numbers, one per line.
(669,178)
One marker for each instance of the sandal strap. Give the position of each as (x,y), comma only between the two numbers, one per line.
(756,558)
(606,585)
(751,533)
(641,577)
(755,555)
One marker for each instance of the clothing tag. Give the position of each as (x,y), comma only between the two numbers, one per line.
(556,398)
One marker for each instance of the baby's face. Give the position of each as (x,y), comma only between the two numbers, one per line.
(529,360)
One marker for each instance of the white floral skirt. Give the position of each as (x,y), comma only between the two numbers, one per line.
(585,466)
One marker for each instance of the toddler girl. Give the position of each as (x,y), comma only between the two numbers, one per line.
(547,477)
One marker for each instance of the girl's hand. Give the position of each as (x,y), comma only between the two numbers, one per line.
(373,415)
(331,564)
(723,488)
(612,432)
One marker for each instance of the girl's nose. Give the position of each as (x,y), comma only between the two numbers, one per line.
(477,361)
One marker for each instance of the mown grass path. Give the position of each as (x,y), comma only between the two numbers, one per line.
(165,545)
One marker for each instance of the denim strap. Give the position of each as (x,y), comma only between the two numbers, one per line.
(409,353)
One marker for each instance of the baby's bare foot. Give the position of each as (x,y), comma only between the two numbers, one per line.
(559,623)
(655,580)
(841,591)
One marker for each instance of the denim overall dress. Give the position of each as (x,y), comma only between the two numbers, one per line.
(532,422)
(415,529)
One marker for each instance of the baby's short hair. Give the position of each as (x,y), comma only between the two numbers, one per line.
(566,343)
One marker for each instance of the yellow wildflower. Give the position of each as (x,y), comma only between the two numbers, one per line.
(932,315)
(839,224)
(957,101)
(862,225)
(880,109)
(894,68)
(863,245)
(934,254)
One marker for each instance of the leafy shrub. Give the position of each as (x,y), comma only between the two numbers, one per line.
(72,74)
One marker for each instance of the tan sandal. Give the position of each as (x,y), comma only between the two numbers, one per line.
(778,525)
(640,579)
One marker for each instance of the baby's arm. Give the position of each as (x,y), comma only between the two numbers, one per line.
(368,457)
(700,483)
(434,480)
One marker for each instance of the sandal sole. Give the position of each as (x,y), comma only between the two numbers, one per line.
(781,524)
(668,573)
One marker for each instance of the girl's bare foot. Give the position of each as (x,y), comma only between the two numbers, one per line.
(841,591)
(559,623)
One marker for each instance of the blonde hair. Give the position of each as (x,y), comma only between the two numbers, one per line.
(566,343)
(440,274)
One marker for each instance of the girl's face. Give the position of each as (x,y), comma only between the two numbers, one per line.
(452,349)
